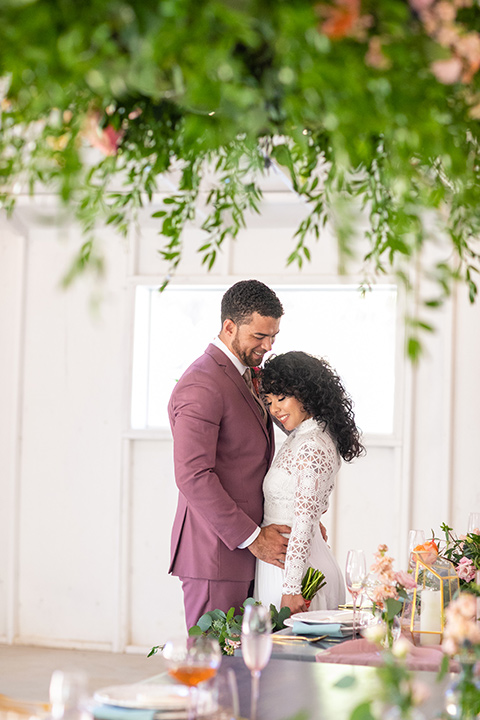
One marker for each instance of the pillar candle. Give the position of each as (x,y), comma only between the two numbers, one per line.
(430,616)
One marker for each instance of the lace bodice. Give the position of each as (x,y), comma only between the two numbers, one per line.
(297,489)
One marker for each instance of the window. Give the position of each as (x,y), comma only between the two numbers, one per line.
(357,334)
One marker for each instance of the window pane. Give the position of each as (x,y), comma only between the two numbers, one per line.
(355,333)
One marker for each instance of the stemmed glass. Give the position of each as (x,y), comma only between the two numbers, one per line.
(192,661)
(415,538)
(473,522)
(355,578)
(256,647)
(68,695)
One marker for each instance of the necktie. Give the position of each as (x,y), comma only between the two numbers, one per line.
(247,376)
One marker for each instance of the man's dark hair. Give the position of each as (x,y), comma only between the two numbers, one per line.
(249,296)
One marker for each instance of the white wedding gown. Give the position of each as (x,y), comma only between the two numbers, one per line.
(297,489)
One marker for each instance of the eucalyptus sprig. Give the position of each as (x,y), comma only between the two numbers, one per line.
(227,627)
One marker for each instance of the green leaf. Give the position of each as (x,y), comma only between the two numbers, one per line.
(393,607)
(363,711)
(347,681)
(205,622)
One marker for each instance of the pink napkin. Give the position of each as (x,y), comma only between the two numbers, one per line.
(363,652)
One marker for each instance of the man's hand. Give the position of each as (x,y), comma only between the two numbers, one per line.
(296,603)
(270,545)
(323,530)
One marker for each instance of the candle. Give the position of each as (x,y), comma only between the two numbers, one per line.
(430,616)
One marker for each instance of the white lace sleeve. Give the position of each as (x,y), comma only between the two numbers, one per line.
(314,470)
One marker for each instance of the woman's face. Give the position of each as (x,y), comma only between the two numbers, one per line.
(287,409)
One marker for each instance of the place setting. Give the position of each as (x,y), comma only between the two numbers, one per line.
(199,688)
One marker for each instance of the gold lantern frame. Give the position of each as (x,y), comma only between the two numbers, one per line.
(439,576)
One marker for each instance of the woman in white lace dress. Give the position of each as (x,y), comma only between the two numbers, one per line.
(308,398)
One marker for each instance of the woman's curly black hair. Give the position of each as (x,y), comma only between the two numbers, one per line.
(319,389)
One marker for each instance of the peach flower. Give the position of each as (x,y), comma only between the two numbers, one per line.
(447,71)
(427,552)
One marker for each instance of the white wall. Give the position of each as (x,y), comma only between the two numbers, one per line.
(86,504)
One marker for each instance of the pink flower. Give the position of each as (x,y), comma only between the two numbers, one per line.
(447,71)
(405,579)
(465,569)
(104,139)
(420,5)
(445,11)
(461,628)
(375,56)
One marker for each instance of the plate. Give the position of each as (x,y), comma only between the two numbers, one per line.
(319,617)
(171,699)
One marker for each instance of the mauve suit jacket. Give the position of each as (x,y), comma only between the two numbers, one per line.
(222,451)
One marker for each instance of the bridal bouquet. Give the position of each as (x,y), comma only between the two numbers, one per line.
(312,581)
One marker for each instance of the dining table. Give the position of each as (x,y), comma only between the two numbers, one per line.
(290,687)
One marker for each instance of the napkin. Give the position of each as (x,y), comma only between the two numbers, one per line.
(112,712)
(333,629)
(363,652)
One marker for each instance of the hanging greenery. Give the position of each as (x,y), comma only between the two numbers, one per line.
(370,108)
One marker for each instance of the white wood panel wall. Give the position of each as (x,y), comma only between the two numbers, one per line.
(86,505)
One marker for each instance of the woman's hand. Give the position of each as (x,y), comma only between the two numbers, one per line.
(296,603)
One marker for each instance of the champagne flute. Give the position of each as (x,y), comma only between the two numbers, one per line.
(355,578)
(192,661)
(256,647)
(415,538)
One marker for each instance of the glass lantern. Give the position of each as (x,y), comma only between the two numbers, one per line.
(424,613)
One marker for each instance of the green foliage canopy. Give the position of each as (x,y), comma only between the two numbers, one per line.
(371,109)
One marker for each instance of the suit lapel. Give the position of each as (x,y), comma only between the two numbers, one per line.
(232,372)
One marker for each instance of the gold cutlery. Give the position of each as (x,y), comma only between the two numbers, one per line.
(308,638)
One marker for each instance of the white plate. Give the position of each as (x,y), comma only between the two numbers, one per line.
(168,698)
(319,617)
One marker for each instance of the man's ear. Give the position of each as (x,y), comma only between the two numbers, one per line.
(229,328)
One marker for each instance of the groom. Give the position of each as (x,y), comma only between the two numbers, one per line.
(223,445)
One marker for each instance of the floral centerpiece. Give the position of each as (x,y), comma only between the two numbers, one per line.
(398,694)
(464,552)
(387,590)
(461,641)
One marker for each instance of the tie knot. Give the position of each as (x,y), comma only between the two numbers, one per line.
(247,376)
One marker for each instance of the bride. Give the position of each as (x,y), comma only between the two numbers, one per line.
(308,398)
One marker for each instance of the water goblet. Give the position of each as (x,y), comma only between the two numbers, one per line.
(415,538)
(192,661)
(355,578)
(256,647)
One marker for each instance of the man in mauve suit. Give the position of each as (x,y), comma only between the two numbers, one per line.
(223,445)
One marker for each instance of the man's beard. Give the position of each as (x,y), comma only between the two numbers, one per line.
(248,360)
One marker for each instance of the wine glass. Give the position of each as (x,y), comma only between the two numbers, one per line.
(473,522)
(355,578)
(256,647)
(415,538)
(68,695)
(192,661)
(225,696)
